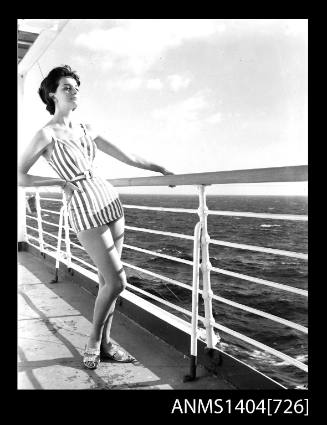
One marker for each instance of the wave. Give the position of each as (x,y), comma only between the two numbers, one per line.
(303,358)
(175,252)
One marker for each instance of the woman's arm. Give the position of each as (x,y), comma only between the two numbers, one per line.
(128,158)
(34,150)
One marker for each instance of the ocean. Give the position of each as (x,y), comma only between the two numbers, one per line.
(279,234)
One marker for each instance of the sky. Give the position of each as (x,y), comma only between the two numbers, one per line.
(193,95)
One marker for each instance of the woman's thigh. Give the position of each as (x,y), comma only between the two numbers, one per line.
(117,232)
(99,244)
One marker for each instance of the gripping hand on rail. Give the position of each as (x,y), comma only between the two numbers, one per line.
(166,173)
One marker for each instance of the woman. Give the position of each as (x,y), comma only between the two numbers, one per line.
(94,208)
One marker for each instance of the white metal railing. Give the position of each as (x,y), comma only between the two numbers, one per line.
(201,241)
(223,243)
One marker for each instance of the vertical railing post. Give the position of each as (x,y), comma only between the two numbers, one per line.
(67,239)
(61,217)
(39,222)
(21,216)
(205,268)
(195,303)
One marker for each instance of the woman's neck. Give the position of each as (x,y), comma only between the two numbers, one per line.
(63,119)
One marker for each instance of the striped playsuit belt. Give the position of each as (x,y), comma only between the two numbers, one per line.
(86,175)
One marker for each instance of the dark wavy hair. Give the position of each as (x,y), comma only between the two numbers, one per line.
(51,82)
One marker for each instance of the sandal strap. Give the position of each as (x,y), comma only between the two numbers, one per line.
(91,351)
(114,347)
(91,356)
(117,353)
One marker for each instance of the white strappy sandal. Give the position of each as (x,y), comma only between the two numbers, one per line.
(91,358)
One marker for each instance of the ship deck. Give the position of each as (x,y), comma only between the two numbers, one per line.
(53,324)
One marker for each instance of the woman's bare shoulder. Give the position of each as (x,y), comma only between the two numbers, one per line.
(43,138)
(38,146)
(44,132)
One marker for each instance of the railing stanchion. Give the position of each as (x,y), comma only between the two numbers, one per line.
(205,268)
(39,222)
(195,303)
(67,239)
(55,280)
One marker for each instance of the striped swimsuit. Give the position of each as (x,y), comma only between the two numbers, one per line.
(98,203)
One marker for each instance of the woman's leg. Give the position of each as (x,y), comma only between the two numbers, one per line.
(117,231)
(99,244)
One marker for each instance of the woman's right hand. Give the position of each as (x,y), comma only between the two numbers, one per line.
(167,173)
(69,189)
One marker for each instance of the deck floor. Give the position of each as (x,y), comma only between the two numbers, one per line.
(53,324)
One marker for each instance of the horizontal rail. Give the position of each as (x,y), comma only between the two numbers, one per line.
(158,276)
(292,217)
(77,246)
(260,345)
(224,243)
(261,281)
(222,271)
(162,301)
(30,216)
(212,241)
(32,244)
(32,228)
(51,246)
(47,233)
(178,210)
(156,254)
(159,232)
(251,341)
(224,300)
(255,175)
(297,217)
(262,314)
(50,234)
(217,298)
(226,272)
(50,211)
(260,249)
(50,199)
(51,224)
(33,237)
(244,338)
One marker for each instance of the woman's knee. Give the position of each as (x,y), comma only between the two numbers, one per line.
(118,282)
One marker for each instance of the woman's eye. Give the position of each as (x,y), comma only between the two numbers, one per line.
(69,88)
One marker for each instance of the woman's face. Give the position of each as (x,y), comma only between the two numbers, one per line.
(67,93)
